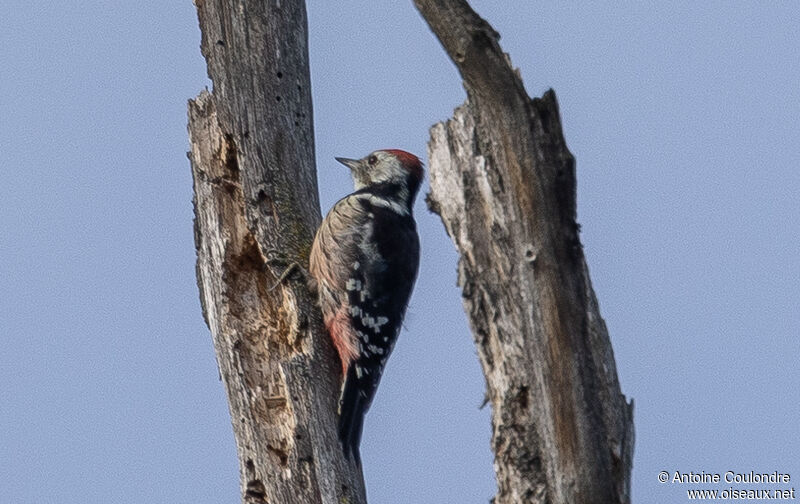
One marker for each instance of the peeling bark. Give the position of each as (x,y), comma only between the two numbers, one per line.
(256,209)
(503,182)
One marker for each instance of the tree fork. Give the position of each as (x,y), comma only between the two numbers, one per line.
(503,182)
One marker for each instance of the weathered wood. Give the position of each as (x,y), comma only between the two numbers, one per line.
(503,182)
(256,209)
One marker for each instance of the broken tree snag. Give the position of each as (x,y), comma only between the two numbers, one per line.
(256,211)
(503,182)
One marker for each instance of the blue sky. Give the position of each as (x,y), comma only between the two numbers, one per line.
(683,118)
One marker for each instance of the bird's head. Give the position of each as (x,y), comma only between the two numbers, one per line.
(391,166)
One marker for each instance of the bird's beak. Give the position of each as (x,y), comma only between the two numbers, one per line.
(353,164)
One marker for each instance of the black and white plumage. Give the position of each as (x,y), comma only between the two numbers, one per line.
(364,260)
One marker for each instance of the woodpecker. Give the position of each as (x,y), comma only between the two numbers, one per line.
(364,262)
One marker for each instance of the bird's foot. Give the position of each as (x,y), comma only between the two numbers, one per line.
(276,258)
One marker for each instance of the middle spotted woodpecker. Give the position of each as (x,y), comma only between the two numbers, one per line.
(364,261)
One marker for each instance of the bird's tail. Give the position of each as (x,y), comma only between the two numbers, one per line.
(353,405)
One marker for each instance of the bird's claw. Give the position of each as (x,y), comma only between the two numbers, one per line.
(292,268)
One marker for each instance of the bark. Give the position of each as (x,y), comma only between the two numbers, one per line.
(503,182)
(256,210)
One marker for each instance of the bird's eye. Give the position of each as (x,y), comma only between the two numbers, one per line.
(372,160)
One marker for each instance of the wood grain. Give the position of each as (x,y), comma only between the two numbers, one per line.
(256,211)
(503,181)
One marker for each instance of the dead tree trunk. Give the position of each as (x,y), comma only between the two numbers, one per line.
(256,210)
(503,182)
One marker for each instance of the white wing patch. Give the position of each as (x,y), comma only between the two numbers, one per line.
(353,284)
(373,323)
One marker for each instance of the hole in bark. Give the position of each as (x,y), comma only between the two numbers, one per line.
(279,75)
(256,491)
(523,398)
(231,156)
(250,257)
(277,98)
(530,255)
(220,43)
(282,456)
